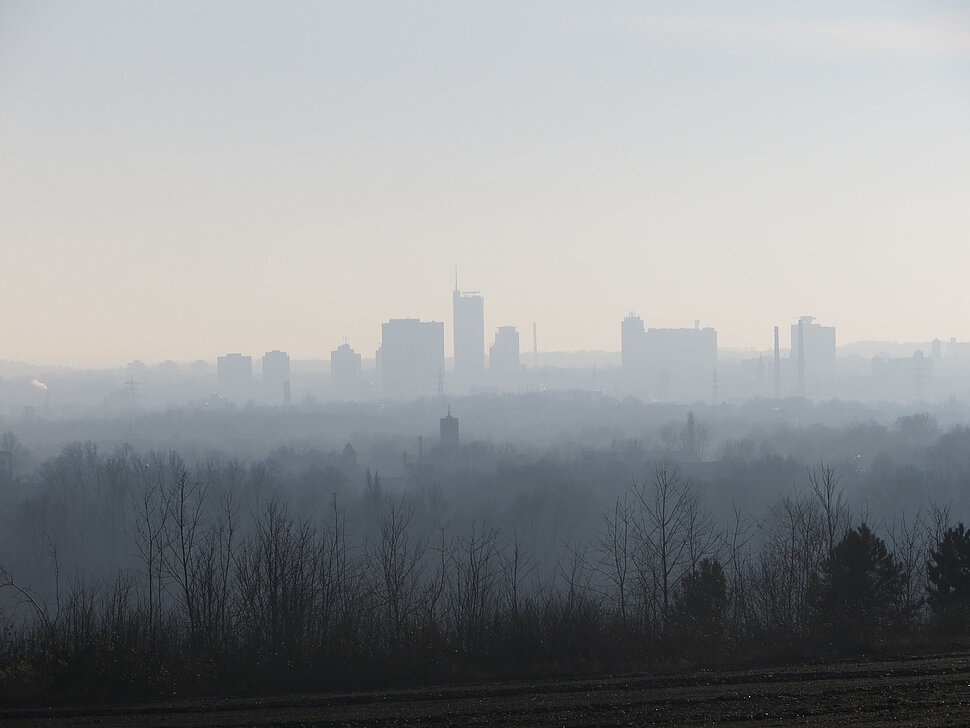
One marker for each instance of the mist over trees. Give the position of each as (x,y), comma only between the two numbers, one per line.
(691,537)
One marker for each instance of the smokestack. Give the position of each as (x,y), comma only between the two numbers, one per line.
(777,367)
(801,357)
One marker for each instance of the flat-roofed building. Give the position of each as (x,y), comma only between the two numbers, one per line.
(234,373)
(411,359)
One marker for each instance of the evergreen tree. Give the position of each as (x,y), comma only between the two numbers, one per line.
(700,607)
(948,571)
(859,593)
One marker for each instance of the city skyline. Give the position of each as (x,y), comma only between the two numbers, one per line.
(389,362)
(286,179)
(447,325)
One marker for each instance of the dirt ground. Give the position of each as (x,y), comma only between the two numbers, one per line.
(906,691)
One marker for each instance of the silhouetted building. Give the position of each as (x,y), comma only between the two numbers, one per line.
(449,432)
(668,364)
(503,355)
(632,346)
(681,362)
(469,330)
(815,361)
(235,375)
(344,370)
(276,376)
(411,359)
(168,369)
(957,350)
(902,378)
(692,348)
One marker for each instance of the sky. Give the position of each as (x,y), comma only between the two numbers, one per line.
(183,179)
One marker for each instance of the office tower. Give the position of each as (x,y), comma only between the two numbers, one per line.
(813,350)
(235,376)
(469,330)
(667,364)
(503,355)
(681,349)
(411,358)
(902,378)
(276,376)
(631,345)
(344,370)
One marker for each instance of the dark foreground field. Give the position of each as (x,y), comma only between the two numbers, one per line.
(916,691)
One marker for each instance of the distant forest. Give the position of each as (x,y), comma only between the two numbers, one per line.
(152,572)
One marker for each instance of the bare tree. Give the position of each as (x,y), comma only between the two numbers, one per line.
(907,537)
(938,523)
(472,588)
(824,483)
(399,561)
(150,534)
(738,566)
(670,436)
(694,437)
(276,572)
(615,560)
(671,532)
(794,547)
(516,567)
(182,558)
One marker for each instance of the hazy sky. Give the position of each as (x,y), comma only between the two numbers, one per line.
(182,179)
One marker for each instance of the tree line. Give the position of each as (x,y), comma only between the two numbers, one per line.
(220,593)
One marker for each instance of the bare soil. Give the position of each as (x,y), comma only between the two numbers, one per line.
(904,691)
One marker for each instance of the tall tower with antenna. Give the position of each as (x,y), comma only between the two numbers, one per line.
(469,332)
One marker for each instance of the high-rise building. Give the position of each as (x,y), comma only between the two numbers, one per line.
(668,364)
(411,358)
(813,352)
(672,349)
(235,375)
(469,329)
(819,342)
(344,370)
(503,355)
(902,378)
(682,363)
(276,376)
(631,345)
(957,350)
